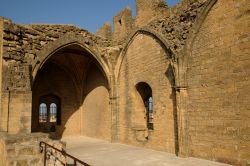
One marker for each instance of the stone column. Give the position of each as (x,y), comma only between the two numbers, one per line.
(111,54)
(114,110)
(181,95)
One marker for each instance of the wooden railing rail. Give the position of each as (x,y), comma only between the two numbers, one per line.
(44,147)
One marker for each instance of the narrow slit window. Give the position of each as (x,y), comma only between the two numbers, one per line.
(120,22)
(43,113)
(150,116)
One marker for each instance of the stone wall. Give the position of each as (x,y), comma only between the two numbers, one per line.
(208,67)
(3,152)
(96,116)
(148,10)
(24,149)
(21,44)
(105,31)
(146,60)
(178,22)
(2,122)
(218,85)
(122,24)
(217,78)
(174,23)
(16,97)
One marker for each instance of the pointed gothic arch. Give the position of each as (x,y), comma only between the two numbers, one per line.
(64,41)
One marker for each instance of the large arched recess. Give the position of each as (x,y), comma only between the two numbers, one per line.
(74,72)
(146,58)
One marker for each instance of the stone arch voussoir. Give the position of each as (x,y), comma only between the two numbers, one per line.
(66,40)
(153,34)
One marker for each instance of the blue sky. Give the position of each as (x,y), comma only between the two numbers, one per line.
(87,14)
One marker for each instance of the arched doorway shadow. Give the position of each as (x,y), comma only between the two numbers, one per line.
(95,105)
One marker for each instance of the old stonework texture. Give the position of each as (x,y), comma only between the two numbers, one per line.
(171,79)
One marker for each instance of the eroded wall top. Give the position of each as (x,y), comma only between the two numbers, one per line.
(178,22)
(22,42)
(172,23)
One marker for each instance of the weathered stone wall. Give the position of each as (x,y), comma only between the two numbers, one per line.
(214,111)
(122,24)
(146,60)
(148,10)
(218,85)
(105,31)
(173,23)
(54,157)
(21,44)
(3,152)
(2,122)
(96,116)
(16,97)
(178,22)
(23,149)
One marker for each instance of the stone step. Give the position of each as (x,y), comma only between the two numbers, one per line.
(25,138)
(24,149)
(17,150)
(25,160)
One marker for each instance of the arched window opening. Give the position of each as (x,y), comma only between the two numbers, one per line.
(145,92)
(53,112)
(42,113)
(150,116)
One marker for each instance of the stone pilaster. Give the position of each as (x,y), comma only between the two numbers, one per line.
(181,95)
(114,110)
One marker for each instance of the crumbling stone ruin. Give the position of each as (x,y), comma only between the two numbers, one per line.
(171,79)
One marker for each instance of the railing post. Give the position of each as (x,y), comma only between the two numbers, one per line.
(45,151)
(63,152)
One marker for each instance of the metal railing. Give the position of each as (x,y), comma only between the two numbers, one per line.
(44,147)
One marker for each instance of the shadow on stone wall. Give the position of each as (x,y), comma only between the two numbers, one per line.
(170,75)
